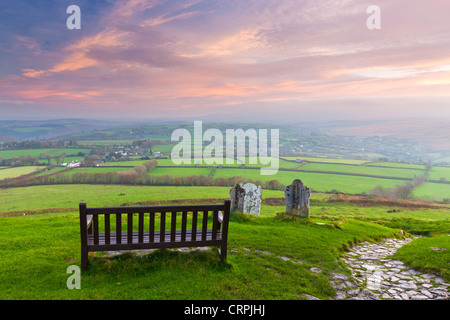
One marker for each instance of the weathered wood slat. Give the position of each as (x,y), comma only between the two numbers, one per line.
(215,224)
(173,226)
(107,228)
(204,224)
(157,245)
(194,225)
(152,226)
(162,230)
(141,227)
(148,209)
(146,237)
(130,228)
(183,225)
(119,225)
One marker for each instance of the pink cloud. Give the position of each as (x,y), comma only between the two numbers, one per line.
(193,55)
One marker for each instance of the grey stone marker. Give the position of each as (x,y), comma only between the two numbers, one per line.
(237,194)
(297,198)
(252,198)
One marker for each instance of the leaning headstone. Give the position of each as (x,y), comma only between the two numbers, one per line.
(252,198)
(297,198)
(237,194)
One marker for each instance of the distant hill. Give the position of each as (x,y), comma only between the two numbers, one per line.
(5,138)
(11,130)
(431,135)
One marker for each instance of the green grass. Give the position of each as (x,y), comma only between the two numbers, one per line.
(69,196)
(166,148)
(432,191)
(48,171)
(132,163)
(437,173)
(316,181)
(95,170)
(104,142)
(37,249)
(69,151)
(420,255)
(234,163)
(367,170)
(17,171)
(396,165)
(180,172)
(328,160)
(7,154)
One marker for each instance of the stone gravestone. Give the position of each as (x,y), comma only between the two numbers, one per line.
(297,198)
(237,194)
(252,198)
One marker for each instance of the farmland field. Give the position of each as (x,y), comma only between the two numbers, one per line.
(36,153)
(438,173)
(95,170)
(129,163)
(7,154)
(180,172)
(433,191)
(69,196)
(328,160)
(103,142)
(17,171)
(316,181)
(396,165)
(366,170)
(234,163)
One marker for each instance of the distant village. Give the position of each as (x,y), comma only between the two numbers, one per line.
(102,154)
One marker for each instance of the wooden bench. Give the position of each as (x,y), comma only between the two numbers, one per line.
(140,231)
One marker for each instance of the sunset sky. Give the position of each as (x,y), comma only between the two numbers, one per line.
(255,59)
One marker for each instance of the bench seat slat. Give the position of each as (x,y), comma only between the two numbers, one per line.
(199,241)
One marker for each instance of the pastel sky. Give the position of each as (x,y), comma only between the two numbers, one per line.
(252,59)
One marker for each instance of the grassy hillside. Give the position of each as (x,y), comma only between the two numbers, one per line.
(38,248)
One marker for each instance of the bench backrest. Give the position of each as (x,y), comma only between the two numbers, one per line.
(140,223)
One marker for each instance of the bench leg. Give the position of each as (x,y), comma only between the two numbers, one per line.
(223,252)
(84,258)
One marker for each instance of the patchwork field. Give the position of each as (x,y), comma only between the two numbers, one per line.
(433,191)
(328,160)
(180,172)
(69,196)
(6,173)
(439,173)
(396,165)
(35,153)
(364,170)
